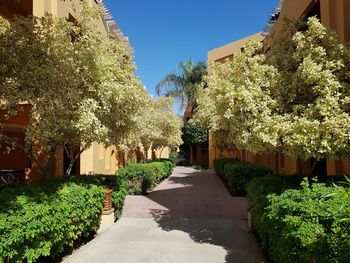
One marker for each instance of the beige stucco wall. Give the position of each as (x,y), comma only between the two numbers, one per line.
(230,50)
(61,8)
(99,159)
(158,153)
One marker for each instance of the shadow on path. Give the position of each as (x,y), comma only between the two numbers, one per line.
(197,203)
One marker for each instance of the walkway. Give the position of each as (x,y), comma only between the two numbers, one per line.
(188,218)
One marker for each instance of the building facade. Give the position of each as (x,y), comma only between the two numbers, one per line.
(332,13)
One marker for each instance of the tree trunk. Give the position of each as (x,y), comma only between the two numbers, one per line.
(45,167)
(70,167)
(191,154)
(73,157)
(161,152)
(125,158)
(146,154)
(319,168)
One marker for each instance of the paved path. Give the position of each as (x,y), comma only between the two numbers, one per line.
(188,218)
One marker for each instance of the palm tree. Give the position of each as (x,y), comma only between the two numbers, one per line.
(184,86)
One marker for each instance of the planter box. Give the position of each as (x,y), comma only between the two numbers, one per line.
(107,217)
(107,203)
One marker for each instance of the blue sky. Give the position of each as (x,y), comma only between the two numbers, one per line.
(164,33)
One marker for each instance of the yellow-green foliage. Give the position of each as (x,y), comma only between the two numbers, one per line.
(299,107)
(157,126)
(79,81)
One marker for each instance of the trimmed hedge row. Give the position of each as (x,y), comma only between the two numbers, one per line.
(257,191)
(143,177)
(219,165)
(236,174)
(118,184)
(300,223)
(43,220)
(295,220)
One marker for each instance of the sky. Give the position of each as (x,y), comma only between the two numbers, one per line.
(166,32)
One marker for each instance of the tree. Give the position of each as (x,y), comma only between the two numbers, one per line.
(316,96)
(79,81)
(193,135)
(299,107)
(159,126)
(185,85)
(237,107)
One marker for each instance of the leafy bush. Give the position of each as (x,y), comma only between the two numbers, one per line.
(300,224)
(308,225)
(220,163)
(173,155)
(257,191)
(144,176)
(169,165)
(42,220)
(235,174)
(238,174)
(118,184)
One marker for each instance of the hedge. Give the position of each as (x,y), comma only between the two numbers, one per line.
(309,223)
(169,165)
(143,177)
(118,184)
(257,191)
(220,163)
(236,174)
(43,220)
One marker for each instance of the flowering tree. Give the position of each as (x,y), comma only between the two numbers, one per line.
(314,97)
(299,107)
(79,81)
(158,126)
(237,106)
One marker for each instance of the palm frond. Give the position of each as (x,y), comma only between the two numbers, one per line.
(169,83)
(184,86)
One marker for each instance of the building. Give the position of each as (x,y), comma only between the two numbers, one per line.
(97,159)
(228,51)
(332,13)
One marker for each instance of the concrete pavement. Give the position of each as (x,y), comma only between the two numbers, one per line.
(188,218)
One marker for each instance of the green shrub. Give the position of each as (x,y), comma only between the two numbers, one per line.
(220,163)
(173,155)
(118,184)
(309,225)
(238,174)
(257,191)
(42,220)
(169,165)
(142,177)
